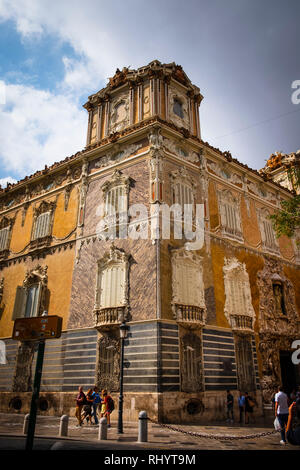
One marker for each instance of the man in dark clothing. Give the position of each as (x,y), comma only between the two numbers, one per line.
(80,401)
(293,435)
(229,406)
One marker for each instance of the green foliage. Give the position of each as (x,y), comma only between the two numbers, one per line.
(286,221)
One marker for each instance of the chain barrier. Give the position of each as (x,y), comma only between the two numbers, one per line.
(217,437)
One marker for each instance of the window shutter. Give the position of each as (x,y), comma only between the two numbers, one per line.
(37,301)
(4,238)
(20,303)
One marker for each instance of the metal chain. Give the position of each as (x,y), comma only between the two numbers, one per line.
(214,436)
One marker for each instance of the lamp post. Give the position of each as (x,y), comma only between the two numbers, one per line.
(123,335)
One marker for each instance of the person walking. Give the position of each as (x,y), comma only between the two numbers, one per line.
(88,407)
(229,403)
(80,401)
(282,411)
(242,403)
(96,404)
(249,405)
(107,406)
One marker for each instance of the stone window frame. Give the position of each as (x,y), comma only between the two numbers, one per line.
(36,276)
(229,203)
(267,245)
(236,280)
(114,257)
(182,256)
(118,180)
(180,177)
(44,208)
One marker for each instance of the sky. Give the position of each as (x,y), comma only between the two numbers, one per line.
(244,55)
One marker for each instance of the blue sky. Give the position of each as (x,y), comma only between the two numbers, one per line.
(243,55)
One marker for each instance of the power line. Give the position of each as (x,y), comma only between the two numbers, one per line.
(258,124)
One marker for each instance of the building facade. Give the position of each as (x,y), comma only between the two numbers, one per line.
(79,240)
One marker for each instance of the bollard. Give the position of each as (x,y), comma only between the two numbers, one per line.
(102,436)
(26,423)
(63,425)
(143,427)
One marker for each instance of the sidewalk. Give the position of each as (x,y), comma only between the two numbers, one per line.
(11,425)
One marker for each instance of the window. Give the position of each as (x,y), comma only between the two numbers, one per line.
(30,300)
(42,222)
(182,194)
(269,242)
(238,304)
(108,365)
(6,225)
(178,108)
(111,287)
(42,226)
(112,282)
(230,215)
(4,234)
(115,195)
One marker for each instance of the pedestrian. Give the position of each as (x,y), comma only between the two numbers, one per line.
(80,401)
(229,404)
(282,411)
(249,405)
(242,403)
(96,404)
(293,435)
(87,409)
(107,406)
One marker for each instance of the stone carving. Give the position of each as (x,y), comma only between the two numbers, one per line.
(113,156)
(22,379)
(108,363)
(277,329)
(119,116)
(191,363)
(176,95)
(180,151)
(39,275)
(244,362)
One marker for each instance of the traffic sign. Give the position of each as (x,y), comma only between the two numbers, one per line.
(37,328)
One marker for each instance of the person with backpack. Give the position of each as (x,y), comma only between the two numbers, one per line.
(107,406)
(96,403)
(80,401)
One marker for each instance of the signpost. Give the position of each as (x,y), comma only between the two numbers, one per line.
(36,329)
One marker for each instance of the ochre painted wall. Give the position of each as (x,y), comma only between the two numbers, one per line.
(60,269)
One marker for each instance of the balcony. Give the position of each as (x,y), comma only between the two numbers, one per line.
(107,318)
(189,316)
(241,323)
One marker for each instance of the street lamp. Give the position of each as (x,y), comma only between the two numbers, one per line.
(123,335)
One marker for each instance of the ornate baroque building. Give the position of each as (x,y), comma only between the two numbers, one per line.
(201,321)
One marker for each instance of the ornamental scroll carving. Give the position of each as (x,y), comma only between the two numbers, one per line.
(278,327)
(108,367)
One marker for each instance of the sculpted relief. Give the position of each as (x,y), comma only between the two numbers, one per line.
(278,320)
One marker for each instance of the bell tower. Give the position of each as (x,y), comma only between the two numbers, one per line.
(134,96)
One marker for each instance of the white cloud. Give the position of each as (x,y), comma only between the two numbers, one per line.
(7,179)
(38,128)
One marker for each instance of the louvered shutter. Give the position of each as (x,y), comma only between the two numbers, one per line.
(4,238)
(20,303)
